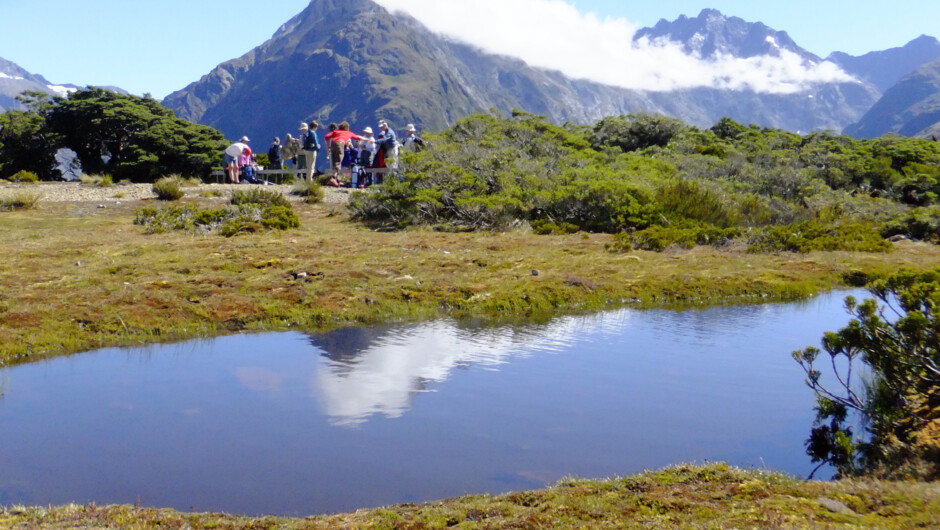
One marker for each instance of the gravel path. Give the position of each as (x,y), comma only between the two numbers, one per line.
(77,192)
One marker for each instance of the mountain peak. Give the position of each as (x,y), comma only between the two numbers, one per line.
(712,33)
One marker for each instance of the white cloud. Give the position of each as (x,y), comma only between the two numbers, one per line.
(554,34)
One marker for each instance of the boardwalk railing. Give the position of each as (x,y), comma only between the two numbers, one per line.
(279,174)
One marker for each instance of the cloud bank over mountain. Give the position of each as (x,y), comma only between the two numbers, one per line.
(553,34)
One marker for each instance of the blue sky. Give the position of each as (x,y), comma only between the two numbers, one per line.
(162,47)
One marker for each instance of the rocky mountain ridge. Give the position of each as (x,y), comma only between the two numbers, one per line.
(910,108)
(353,60)
(886,68)
(14,80)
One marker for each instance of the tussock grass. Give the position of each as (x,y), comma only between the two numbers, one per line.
(312,192)
(19,201)
(169,188)
(712,496)
(133,287)
(102,181)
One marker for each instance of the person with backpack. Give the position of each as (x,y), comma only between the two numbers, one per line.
(274,153)
(311,145)
(412,141)
(289,151)
(386,145)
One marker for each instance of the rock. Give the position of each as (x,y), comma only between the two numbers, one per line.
(835,506)
(535,272)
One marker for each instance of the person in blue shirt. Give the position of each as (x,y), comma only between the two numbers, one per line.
(311,144)
(386,145)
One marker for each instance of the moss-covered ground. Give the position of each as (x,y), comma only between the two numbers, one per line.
(76,277)
(713,496)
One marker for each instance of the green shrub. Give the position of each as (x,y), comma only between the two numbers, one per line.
(210,218)
(919,223)
(259,196)
(659,238)
(26,177)
(635,131)
(20,201)
(312,192)
(168,189)
(545,227)
(692,200)
(280,218)
(158,221)
(250,212)
(622,243)
(809,236)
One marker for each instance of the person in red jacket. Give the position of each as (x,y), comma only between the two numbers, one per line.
(337,141)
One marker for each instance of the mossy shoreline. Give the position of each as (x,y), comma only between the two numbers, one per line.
(78,276)
(684,496)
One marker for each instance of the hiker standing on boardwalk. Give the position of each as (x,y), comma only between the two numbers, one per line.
(290,150)
(274,153)
(311,144)
(387,149)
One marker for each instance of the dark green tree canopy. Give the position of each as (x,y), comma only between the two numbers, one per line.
(128,137)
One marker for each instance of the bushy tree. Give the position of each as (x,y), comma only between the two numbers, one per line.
(24,145)
(886,365)
(131,137)
(635,131)
(126,136)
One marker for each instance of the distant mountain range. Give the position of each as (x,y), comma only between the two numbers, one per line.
(352,60)
(884,69)
(909,108)
(14,80)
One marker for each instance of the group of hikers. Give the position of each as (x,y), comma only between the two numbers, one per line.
(367,157)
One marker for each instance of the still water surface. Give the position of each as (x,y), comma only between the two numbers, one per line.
(296,425)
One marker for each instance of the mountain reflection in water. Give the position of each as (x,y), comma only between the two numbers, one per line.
(381,370)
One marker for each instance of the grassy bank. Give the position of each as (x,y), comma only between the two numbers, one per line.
(76,277)
(713,496)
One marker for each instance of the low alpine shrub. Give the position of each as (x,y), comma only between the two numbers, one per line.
(809,236)
(25,177)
